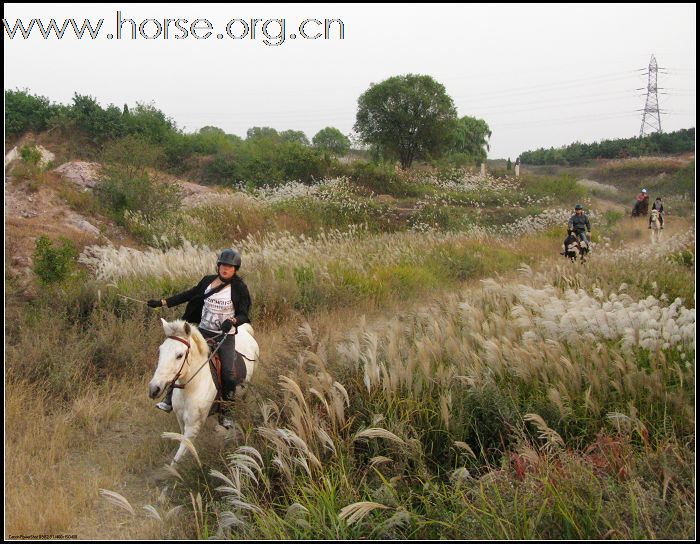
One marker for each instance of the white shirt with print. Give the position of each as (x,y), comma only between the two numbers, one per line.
(217,309)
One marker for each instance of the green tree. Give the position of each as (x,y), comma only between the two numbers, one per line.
(470,137)
(150,123)
(331,140)
(257,133)
(406,117)
(211,140)
(25,112)
(211,130)
(99,123)
(297,136)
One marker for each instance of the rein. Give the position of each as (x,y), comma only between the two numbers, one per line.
(182,386)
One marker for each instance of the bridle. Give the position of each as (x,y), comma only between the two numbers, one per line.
(187,353)
(184,360)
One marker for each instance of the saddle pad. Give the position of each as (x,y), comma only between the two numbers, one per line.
(239,369)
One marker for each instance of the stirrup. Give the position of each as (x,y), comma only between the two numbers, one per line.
(164,406)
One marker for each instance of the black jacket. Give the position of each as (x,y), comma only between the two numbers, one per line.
(195,300)
(579,223)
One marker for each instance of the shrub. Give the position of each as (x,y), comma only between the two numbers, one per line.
(54,264)
(560,188)
(266,161)
(30,155)
(683,258)
(612,217)
(682,182)
(383,179)
(138,194)
(127,185)
(29,169)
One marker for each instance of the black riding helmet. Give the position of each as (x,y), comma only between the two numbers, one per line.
(229,256)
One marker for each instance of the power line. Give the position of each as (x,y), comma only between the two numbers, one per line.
(544,86)
(605,97)
(567,120)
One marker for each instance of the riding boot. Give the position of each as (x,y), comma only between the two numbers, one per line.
(167,403)
(226,411)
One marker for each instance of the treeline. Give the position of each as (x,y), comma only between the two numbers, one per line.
(209,155)
(402,119)
(578,153)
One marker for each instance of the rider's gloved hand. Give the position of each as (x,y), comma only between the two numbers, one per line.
(226,326)
(153,303)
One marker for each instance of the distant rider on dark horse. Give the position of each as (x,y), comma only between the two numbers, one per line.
(580,225)
(641,205)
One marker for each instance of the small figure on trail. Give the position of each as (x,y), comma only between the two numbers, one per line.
(580,225)
(659,207)
(217,303)
(641,204)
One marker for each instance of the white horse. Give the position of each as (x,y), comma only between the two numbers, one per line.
(182,355)
(655,225)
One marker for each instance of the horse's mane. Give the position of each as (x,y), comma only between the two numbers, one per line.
(177,327)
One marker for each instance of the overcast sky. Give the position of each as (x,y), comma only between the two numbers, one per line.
(540,75)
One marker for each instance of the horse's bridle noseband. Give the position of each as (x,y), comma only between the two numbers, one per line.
(187,354)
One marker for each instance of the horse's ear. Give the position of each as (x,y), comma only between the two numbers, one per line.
(165,325)
(188,329)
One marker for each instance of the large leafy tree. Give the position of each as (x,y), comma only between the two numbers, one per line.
(406,117)
(297,136)
(332,141)
(470,137)
(256,133)
(24,111)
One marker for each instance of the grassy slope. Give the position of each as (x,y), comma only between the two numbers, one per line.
(114,416)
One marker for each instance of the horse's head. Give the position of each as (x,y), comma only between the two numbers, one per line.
(654,215)
(183,344)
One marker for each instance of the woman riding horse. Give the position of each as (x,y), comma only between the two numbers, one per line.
(217,303)
(659,207)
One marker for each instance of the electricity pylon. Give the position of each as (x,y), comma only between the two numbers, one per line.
(651,118)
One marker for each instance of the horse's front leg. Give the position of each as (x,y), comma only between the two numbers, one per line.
(192,428)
